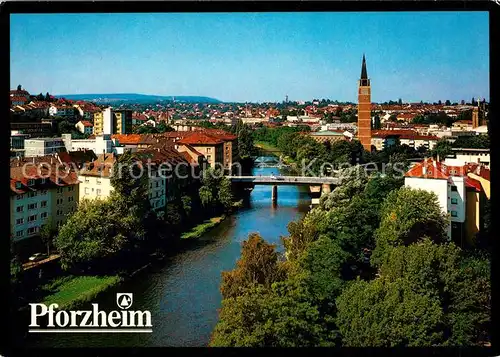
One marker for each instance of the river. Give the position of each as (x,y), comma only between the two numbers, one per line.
(182,293)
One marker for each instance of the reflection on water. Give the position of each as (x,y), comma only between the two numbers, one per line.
(183,293)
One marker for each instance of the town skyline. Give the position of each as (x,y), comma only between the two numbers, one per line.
(255,57)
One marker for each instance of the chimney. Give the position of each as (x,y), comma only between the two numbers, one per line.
(424,167)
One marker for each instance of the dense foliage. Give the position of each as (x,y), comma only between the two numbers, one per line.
(419,290)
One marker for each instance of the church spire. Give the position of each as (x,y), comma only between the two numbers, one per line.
(364,74)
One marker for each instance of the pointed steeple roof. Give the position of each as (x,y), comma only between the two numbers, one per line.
(364,74)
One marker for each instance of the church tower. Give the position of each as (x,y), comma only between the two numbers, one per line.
(364,109)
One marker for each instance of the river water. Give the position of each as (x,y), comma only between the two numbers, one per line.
(182,293)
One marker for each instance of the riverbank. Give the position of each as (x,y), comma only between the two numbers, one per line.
(71,291)
(268,147)
(202,228)
(273,150)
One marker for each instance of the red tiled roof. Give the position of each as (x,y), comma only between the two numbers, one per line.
(199,138)
(218,133)
(403,134)
(87,123)
(433,170)
(18,99)
(101,166)
(55,176)
(470,182)
(133,139)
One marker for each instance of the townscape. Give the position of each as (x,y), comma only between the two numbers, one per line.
(388,244)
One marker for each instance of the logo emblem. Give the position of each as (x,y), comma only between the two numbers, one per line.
(124,300)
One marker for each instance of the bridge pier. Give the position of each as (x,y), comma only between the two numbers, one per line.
(274,194)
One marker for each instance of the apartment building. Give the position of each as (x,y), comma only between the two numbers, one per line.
(85,127)
(40,190)
(113,121)
(32,129)
(386,138)
(231,152)
(460,196)
(17,143)
(95,177)
(63,111)
(98,144)
(43,146)
(210,147)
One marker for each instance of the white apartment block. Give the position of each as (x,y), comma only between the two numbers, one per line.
(95,182)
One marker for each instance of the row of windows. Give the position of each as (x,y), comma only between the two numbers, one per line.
(98,191)
(44,192)
(157,184)
(158,194)
(32,218)
(29,231)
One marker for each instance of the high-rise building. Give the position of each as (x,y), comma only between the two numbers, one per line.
(364,108)
(113,121)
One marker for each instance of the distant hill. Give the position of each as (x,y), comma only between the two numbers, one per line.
(134,97)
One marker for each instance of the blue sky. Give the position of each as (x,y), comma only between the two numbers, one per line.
(415,56)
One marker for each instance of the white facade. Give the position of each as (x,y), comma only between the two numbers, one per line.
(107,118)
(451,195)
(101,144)
(83,128)
(92,187)
(438,186)
(475,156)
(43,146)
(61,111)
(97,187)
(28,212)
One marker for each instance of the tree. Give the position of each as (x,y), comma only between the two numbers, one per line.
(460,281)
(47,97)
(96,232)
(258,265)
(447,102)
(225,194)
(130,180)
(301,234)
(407,216)
(442,148)
(323,261)
(400,101)
(162,127)
(376,123)
(439,102)
(215,191)
(278,317)
(65,127)
(245,141)
(387,314)
(48,232)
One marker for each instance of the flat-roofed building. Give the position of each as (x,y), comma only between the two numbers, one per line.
(43,146)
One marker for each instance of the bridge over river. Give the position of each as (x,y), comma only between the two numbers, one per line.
(285,180)
(324,182)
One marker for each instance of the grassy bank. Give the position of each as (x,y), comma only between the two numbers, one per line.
(70,291)
(268,147)
(200,229)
